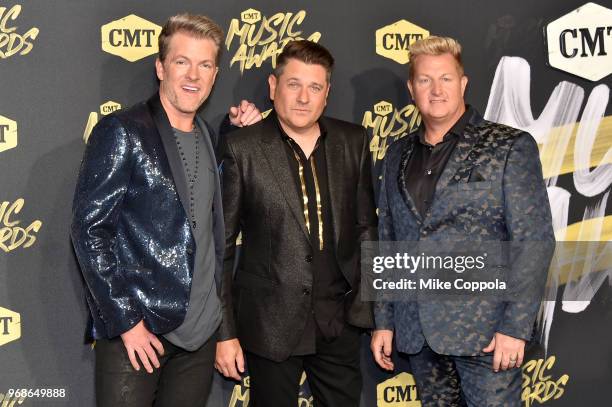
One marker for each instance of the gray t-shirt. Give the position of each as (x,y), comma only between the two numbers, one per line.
(204,310)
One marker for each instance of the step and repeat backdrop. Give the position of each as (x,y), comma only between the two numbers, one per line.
(540,66)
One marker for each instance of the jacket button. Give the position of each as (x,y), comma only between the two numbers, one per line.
(189,250)
(306,291)
(308,258)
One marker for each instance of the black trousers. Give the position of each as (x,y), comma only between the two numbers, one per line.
(460,381)
(333,374)
(183,378)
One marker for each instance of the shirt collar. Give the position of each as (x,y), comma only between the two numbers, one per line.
(455,131)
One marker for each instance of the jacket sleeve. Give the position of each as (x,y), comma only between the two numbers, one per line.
(102,183)
(232,203)
(529,224)
(366,229)
(383,310)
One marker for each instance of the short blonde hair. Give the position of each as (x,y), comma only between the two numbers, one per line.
(198,26)
(434,45)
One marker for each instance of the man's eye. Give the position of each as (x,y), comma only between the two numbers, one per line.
(180,62)
(207,65)
(315,89)
(293,85)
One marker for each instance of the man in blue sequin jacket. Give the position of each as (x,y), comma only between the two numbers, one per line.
(148,230)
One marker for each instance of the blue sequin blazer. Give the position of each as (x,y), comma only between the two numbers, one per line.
(130,230)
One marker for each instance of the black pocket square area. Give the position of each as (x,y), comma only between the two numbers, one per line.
(475,176)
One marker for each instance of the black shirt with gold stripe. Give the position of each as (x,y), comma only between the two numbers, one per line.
(329,284)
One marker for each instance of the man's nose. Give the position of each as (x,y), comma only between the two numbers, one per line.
(436,87)
(193,73)
(303,96)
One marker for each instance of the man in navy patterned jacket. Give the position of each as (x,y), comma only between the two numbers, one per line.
(460,177)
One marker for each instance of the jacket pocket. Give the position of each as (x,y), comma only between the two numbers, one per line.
(252,281)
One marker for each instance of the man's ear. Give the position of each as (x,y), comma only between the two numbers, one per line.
(327,93)
(159,69)
(464,82)
(272,82)
(409,84)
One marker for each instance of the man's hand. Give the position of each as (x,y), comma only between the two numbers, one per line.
(138,340)
(245,114)
(509,351)
(381,348)
(229,357)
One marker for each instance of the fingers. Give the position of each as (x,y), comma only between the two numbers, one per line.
(137,341)
(387,349)
(228,368)
(505,361)
(152,356)
(157,345)
(381,349)
(229,356)
(387,362)
(245,114)
(497,358)
(251,115)
(509,352)
(244,105)
(375,347)
(132,356)
(378,358)
(490,347)
(519,360)
(240,361)
(144,359)
(232,371)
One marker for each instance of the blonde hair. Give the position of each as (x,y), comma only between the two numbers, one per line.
(198,26)
(434,45)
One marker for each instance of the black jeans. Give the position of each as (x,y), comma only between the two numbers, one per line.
(183,378)
(333,374)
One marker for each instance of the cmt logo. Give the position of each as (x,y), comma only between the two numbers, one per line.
(389,124)
(92,120)
(8,133)
(398,391)
(392,41)
(131,38)
(580,42)
(10,326)
(250,16)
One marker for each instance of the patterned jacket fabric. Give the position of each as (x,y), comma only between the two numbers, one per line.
(492,189)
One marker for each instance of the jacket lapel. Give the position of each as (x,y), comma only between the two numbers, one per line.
(174,160)
(460,154)
(274,150)
(334,159)
(405,157)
